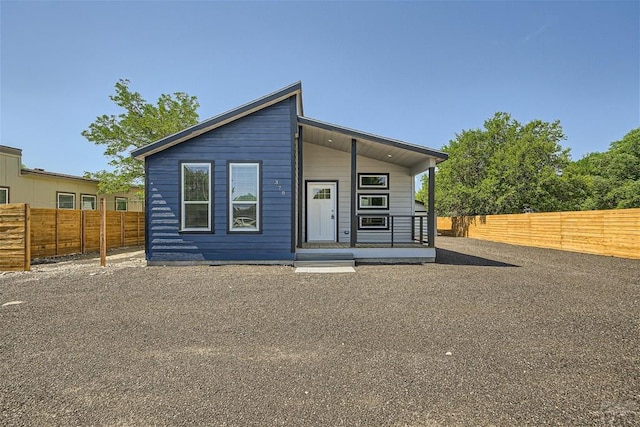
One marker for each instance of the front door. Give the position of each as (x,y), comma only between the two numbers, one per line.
(321,211)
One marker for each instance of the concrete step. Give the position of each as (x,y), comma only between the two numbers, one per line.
(325,259)
(325,263)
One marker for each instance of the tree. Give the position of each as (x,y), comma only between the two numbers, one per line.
(140,124)
(506,167)
(612,177)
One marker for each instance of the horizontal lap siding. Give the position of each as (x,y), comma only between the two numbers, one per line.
(262,136)
(322,163)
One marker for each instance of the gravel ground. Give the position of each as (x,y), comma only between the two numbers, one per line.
(492,334)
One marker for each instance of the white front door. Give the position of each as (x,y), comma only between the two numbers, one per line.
(321,211)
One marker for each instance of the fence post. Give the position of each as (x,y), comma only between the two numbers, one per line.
(103,232)
(27,237)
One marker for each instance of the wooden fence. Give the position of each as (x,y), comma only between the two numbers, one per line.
(607,232)
(42,233)
(14,238)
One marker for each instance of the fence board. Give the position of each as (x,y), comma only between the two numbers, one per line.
(69,232)
(14,229)
(611,232)
(43,233)
(91,231)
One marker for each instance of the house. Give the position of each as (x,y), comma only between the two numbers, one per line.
(263,183)
(44,189)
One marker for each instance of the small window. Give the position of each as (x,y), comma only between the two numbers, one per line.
(373,180)
(88,202)
(121,203)
(244,195)
(373,201)
(66,201)
(322,194)
(373,223)
(196,197)
(4,195)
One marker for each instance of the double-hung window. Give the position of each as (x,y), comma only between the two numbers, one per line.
(4,195)
(244,197)
(196,196)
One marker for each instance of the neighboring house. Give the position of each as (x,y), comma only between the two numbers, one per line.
(263,183)
(419,208)
(43,189)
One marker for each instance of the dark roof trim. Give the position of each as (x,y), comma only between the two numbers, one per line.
(26,171)
(222,119)
(371,137)
(10,150)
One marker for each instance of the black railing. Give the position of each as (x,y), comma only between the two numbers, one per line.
(381,229)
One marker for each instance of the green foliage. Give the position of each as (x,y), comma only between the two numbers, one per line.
(506,167)
(612,177)
(140,124)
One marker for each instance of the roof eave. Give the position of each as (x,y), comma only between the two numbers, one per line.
(440,156)
(294,89)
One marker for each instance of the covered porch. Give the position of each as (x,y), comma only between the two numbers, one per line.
(355,195)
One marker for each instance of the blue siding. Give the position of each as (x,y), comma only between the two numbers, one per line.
(265,136)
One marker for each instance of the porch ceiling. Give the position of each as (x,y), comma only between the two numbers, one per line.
(414,157)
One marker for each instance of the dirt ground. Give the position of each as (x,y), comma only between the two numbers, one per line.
(491,334)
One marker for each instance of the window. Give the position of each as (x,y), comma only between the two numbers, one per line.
(322,194)
(88,202)
(66,201)
(244,197)
(373,201)
(121,203)
(373,223)
(373,180)
(196,197)
(4,195)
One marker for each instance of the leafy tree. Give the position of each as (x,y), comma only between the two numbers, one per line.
(612,177)
(506,167)
(140,124)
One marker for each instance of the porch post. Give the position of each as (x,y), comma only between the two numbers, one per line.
(300,186)
(431,209)
(353,233)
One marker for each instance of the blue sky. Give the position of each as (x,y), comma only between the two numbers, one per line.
(415,71)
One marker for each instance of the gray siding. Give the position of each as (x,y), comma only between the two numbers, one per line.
(265,136)
(321,163)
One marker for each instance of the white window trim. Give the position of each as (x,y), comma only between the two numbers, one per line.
(373,227)
(126,201)
(257,201)
(384,186)
(6,192)
(91,196)
(62,193)
(183,202)
(382,196)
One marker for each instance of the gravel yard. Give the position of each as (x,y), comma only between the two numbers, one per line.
(492,334)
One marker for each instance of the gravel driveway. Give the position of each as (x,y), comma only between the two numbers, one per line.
(492,334)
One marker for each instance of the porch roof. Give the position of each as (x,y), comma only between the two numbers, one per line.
(416,158)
